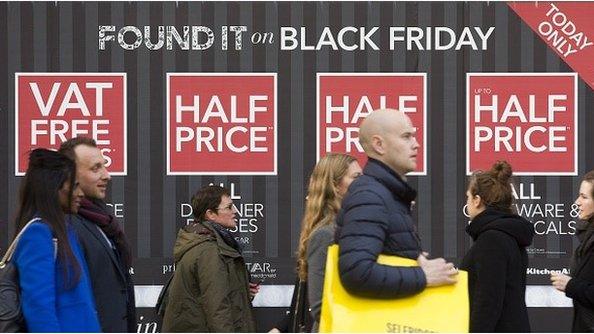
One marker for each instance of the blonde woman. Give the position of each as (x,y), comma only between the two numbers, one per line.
(329,182)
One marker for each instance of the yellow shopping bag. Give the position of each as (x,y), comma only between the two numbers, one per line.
(436,309)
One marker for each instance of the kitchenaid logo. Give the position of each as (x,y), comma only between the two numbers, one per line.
(544,271)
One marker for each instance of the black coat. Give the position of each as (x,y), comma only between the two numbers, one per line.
(581,286)
(496,265)
(375,219)
(112,285)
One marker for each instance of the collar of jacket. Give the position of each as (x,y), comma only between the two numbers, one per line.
(585,234)
(583,229)
(225,248)
(509,223)
(389,178)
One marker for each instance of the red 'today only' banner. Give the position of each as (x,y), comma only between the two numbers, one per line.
(567,28)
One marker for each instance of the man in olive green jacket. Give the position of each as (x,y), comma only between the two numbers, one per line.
(210,290)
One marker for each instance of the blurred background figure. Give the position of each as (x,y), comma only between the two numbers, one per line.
(56,291)
(210,289)
(328,184)
(329,181)
(580,285)
(497,261)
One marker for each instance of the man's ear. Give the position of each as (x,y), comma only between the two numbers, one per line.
(378,144)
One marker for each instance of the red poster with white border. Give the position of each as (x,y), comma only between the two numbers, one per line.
(527,119)
(345,99)
(51,108)
(221,124)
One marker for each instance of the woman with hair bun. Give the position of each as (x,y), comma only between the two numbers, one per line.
(497,261)
(580,285)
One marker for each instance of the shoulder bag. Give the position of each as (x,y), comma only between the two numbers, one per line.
(11,314)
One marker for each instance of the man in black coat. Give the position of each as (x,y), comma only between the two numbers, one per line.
(102,239)
(375,216)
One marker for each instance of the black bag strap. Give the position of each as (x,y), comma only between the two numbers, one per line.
(162,300)
(301,311)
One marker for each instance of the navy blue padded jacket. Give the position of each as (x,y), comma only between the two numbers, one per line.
(375,218)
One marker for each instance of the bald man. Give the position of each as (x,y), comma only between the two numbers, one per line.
(375,217)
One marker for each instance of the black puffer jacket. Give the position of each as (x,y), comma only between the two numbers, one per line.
(496,265)
(375,218)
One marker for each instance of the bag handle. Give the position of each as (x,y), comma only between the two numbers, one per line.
(6,258)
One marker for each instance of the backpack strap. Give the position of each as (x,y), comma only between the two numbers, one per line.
(10,251)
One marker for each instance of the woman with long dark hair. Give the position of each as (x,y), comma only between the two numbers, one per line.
(580,285)
(55,289)
(497,261)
